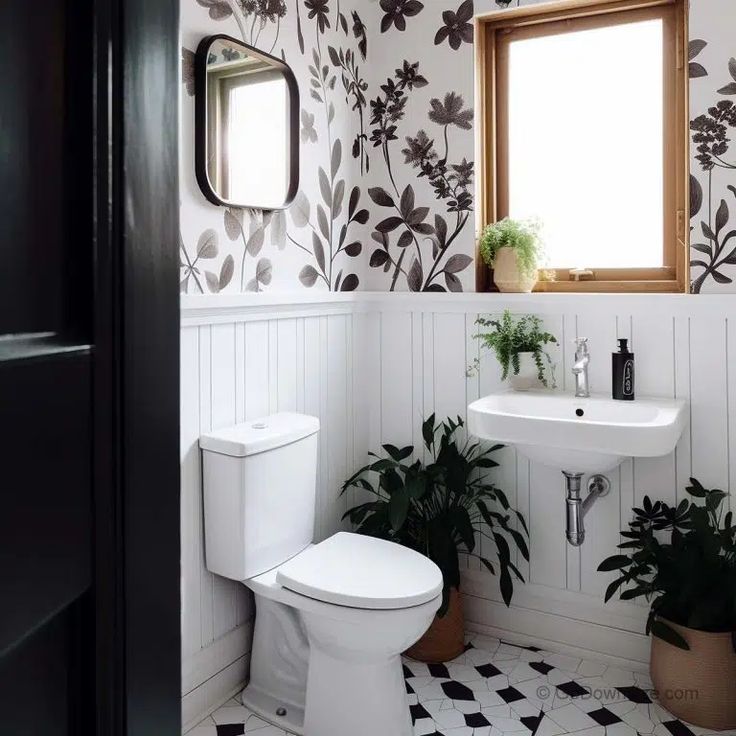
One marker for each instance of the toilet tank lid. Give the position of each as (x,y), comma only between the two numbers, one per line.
(259,435)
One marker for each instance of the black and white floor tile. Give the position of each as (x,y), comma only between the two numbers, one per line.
(499,689)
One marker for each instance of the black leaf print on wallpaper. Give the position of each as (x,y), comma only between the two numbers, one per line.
(717,249)
(408,222)
(187,70)
(506,3)
(319,10)
(252,241)
(695,69)
(355,88)
(730,88)
(456,28)
(262,277)
(397,11)
(218,9)
(299,32)
(712,141)
(359,32)
(332,223)
(260,13)
(309,132)
(207,249)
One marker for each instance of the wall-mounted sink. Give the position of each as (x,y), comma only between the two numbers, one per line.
(590,435)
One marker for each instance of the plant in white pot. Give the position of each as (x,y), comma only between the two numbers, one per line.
(518,344)
(513,250)
(689,580)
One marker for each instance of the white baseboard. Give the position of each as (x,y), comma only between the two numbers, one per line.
(207,662)
(557,633)
(209,696)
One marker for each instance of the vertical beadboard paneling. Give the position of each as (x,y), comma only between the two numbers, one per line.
(287,365)
(371,376)
(313,396)
(232,371)
(731,375)
(397,414)
(653,341)
(449,365)
(256,369)
(191,511)
(207,614)
(709,404)
(336,437)
(601,532)
(546,492)
(683,451)
(223,411)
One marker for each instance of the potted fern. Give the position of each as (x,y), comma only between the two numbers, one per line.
(513,250)
(440,509)
(518,344)
(682,560)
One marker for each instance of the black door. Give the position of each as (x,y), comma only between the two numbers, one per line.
(89,549)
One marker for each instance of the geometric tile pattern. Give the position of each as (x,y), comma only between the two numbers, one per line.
(499,689)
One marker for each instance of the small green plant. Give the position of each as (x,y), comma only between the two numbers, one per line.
(511,336)
(690,579)
(522,236)
(438,508)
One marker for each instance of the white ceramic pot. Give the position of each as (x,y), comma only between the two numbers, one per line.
(506,273)
(528,376)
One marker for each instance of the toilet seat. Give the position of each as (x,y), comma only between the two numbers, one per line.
(362,572)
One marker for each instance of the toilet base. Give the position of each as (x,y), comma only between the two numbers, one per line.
(355,698)
(268,708)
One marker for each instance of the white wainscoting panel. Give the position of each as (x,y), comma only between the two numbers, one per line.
(682,347)
(232,370)
(372,366)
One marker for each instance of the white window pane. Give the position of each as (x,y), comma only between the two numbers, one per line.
(258,142)
(586,146)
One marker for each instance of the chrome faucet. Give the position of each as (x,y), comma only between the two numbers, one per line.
(580,368)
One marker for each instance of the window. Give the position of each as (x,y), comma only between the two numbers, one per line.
(584,128)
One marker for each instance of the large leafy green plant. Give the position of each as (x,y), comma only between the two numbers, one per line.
(689,579)
(509,336)
(438,508)
(523,237)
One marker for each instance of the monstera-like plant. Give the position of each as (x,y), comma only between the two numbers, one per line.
(440,509)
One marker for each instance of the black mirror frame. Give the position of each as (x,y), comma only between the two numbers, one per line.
(200,122)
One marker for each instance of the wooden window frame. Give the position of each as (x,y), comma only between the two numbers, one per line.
(493,32)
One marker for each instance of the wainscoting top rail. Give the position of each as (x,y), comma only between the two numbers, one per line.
(213,308)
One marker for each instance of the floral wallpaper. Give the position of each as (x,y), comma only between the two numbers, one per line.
(387,187)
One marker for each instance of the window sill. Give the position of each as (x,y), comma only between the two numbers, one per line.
(612,287)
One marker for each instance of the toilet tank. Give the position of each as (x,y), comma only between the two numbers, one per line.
(259,483)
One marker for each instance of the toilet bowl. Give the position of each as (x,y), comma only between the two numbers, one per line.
(331,618)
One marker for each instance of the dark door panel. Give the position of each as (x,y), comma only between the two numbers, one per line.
(45,454)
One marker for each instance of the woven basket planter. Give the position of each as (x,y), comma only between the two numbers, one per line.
(699,685)
(445,638)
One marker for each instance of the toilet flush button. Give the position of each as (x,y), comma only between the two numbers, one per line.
(260,425)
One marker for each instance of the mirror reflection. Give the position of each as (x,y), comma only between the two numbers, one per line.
(249,139)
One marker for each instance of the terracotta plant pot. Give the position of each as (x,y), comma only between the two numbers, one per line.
(445,638)
(699,685)
(507,276)
(528,375)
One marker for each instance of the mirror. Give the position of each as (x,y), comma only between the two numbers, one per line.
(247,126)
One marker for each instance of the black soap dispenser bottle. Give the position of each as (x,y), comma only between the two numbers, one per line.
(623,372)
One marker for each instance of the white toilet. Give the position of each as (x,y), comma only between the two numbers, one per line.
(331,618)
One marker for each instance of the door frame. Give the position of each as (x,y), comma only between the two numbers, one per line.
(136,369)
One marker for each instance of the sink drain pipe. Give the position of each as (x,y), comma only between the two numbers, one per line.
(577,507)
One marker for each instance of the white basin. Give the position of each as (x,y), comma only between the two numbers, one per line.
(578,435)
